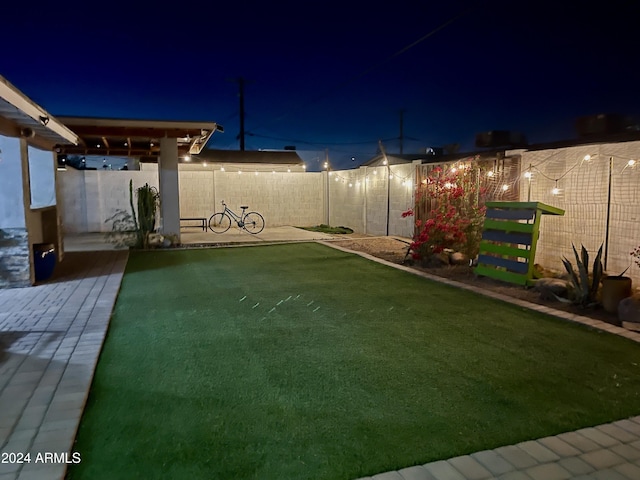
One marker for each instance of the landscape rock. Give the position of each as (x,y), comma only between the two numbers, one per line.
(458,258)
(550,288)
(155,240)
(437,260)
(629,310)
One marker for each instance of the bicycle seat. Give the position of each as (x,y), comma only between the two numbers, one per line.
(244,208)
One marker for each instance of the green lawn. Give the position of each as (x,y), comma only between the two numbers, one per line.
(303,362)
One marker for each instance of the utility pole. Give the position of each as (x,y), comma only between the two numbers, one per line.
(240,81)
(401,130)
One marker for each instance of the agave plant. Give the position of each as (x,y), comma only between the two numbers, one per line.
(584,286)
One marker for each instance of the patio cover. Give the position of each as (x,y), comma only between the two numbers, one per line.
(136,138)
(26,114)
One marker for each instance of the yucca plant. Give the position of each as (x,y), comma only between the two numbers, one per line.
(584,286)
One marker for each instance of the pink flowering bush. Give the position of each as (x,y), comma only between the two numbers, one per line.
(453,201)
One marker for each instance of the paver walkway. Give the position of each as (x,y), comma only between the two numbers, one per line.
(606,452)
(50,339)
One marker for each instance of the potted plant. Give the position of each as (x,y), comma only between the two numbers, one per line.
(614,289)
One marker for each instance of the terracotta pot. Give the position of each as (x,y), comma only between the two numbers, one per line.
(615,289)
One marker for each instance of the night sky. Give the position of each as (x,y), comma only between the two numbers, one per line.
(327,75)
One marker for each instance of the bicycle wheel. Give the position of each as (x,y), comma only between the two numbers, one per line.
(253,222)
(219,223)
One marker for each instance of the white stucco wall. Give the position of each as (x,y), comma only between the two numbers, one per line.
(90,197)
(11,199)
(402,194)
(347,199)
(583,195)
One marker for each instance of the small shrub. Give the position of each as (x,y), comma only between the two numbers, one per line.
(585,286)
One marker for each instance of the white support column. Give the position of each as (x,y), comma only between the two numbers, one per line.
(169,187)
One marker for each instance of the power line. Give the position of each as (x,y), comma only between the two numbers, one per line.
(374,67)
(293,140)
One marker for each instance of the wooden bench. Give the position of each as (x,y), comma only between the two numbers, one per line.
(201,222)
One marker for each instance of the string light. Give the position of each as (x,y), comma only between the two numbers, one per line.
(505,187)
(527,175)
(490,173)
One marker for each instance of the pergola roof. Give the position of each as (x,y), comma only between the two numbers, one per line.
(26,114)
(135,138)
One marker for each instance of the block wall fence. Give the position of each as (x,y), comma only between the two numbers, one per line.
(358,199)
(601,198)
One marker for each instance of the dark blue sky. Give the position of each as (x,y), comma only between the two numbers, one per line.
(329,75)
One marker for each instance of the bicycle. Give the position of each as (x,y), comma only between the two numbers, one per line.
(220,222)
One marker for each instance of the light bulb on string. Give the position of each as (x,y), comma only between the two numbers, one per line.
(555,190)
(631,163)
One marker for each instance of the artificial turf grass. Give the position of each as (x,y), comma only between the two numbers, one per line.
(360,369)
